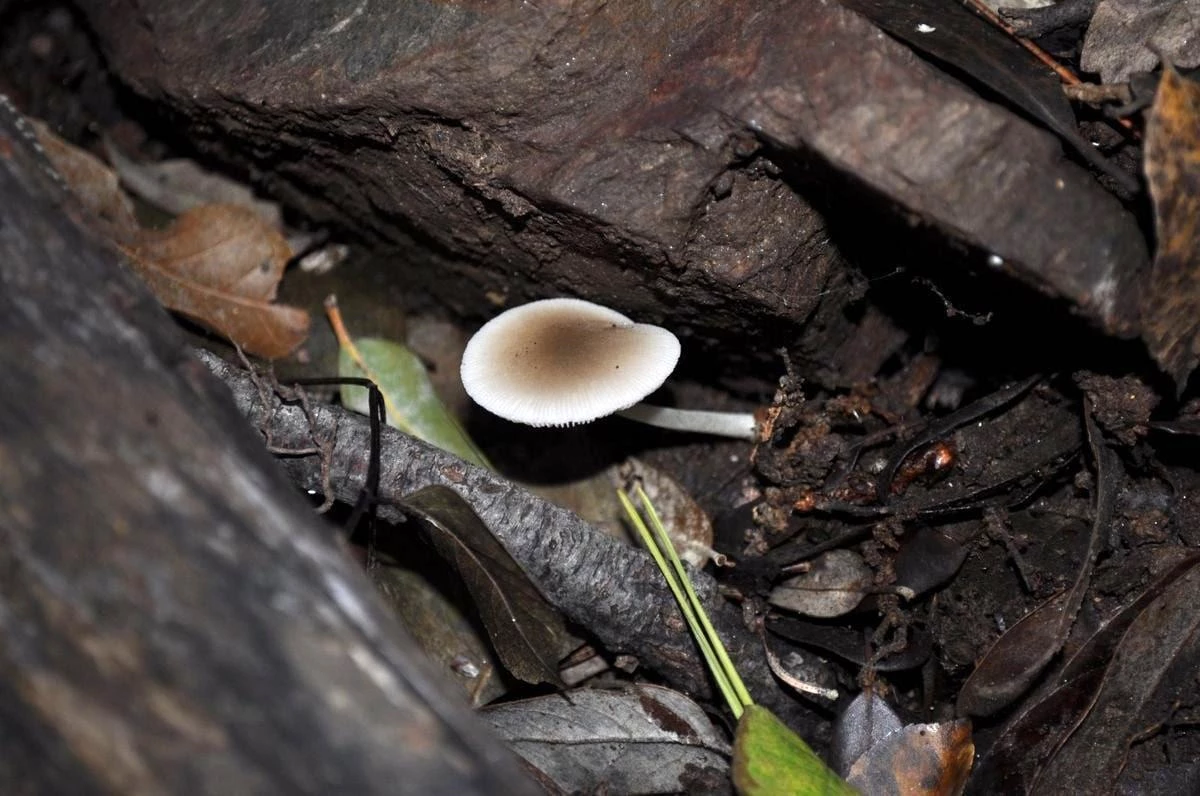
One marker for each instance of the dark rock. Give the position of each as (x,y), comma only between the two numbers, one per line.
(516,150)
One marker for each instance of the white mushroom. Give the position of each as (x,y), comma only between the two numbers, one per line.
(561,362)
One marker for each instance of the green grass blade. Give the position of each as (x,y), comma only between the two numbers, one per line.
(768,757)
(689,613)
(710,632)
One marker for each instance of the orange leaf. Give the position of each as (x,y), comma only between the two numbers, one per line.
(1171,307)
(930,759)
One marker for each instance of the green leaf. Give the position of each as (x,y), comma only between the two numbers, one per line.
(768,759)
(526,630)
(408,395)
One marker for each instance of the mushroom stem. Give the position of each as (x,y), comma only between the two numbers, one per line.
(739,425)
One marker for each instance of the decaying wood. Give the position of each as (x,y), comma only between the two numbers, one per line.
(674,160)
(613,590)
(172,619)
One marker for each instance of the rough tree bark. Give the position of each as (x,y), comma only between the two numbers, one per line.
(172,618)
(612,589)
(625,153)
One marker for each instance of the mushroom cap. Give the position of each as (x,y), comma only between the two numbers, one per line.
(559,362)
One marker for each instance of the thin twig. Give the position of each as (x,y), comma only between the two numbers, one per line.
(1068,77)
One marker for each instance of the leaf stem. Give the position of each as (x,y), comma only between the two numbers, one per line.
(346,343)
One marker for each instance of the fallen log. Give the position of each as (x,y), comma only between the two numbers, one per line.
(173,617)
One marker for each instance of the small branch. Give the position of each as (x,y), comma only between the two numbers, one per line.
(1067,77)
(607,586)
(1037,22)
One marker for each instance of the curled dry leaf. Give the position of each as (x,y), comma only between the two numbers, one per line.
(644,740)
(95,184)
(932,759)
(813,672)
(218,265)
(1171,305)
(834,585)
(866,721)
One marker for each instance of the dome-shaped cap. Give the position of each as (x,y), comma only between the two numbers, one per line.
(559,362)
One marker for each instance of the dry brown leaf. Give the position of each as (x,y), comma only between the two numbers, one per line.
(688,526)
(94,183)
(932,759)
(223,247)
(1171,307)
(219,265)
(262,329)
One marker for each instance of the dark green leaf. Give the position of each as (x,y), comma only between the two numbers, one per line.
(527,632)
